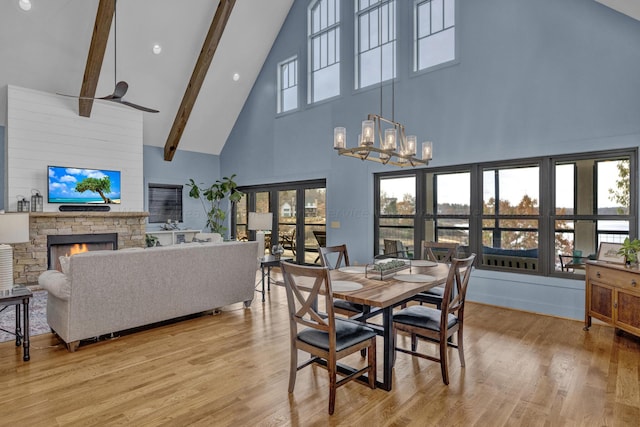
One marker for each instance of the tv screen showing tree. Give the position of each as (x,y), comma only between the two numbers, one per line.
(75,185)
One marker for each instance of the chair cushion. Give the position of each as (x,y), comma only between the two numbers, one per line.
(347,334)
(423,317)
(346,305)
(437,291)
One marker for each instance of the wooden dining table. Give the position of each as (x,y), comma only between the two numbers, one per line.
(380,297)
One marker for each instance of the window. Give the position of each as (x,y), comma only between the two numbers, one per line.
(397,210)
(449,210)
(434,33)
(165,202)
(510,217)
(592,205)
(542,216)
(375,41)
(324,49)
(288,85)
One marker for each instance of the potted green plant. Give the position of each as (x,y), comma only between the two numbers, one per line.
(151,240)
(212,197)
(630,250)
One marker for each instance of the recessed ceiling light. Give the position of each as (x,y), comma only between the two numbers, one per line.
(157,49)
(25,5)
(236,77)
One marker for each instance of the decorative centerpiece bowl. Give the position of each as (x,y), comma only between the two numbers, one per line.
(384,270)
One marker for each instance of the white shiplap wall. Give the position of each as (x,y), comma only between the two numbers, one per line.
(45,129)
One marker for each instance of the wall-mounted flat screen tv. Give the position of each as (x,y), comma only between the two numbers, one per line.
(81,186)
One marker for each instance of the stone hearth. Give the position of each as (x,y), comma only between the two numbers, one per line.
(31,258)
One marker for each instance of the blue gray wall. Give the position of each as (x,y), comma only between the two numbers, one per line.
(203,168)
(533,78)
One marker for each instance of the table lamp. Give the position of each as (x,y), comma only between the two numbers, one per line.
(259,222)
(14,228)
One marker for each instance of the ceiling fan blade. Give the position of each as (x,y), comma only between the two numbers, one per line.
(138,107)
(75,96)
(120,90)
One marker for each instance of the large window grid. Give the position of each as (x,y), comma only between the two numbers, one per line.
(324,49)
(434,33)
(558,206)
(376,41)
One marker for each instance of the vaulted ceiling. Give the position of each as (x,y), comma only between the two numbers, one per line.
(47,47)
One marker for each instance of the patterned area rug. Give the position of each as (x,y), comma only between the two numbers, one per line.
(37,317)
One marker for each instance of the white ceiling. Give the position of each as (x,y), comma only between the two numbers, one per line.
(628,7)
(46,49)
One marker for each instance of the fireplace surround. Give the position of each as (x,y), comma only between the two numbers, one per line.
(31,258)
(67,244)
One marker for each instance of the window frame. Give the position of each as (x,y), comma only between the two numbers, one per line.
(273,190)
(417,39)
(311,36)
(178,189)
(358,12)
(280,108)
(546,216)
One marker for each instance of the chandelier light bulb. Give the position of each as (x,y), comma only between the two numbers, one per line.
(367,132)
(339,138)
(427,150)
(157,49)
(236,77)
(412,141)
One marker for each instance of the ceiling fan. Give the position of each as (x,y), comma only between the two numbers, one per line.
(118,94)
(120,89)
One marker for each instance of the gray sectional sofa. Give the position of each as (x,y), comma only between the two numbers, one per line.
(110,291)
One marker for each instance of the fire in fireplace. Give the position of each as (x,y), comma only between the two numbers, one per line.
(70,244)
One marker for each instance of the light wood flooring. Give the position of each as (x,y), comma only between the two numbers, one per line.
(231,369)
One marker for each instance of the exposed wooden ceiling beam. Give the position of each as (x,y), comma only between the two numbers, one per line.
(197,77)
(101,29)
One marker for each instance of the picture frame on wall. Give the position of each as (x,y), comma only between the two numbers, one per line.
(609,252)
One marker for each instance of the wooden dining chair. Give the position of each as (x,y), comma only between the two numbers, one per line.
(321,239)
(335,257)
(326,338)
(394,248)
(437,325)
(437,252)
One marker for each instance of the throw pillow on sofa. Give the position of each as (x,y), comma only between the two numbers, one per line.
(64,263)
(55,283)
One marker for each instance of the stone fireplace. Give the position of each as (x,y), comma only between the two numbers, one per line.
(32,258)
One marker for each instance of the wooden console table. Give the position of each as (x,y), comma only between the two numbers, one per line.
(613,296)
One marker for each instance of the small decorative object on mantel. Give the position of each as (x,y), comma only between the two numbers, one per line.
(37,201)
(23,204)
(630,250)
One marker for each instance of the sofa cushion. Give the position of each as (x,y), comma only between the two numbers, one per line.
(64,263)
(56,283)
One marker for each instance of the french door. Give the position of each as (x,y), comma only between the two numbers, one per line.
(299,217)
